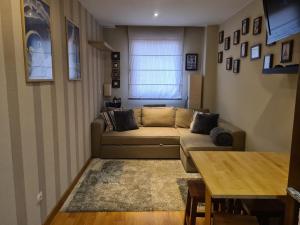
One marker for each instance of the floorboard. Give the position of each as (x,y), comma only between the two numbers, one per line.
(121,218)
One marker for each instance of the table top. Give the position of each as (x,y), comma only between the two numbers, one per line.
(230,174)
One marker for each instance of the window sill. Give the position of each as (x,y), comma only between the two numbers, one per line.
(170,99)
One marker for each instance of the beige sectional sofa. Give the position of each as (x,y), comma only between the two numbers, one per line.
(163,134)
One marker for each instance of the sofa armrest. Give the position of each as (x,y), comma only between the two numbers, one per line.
(239,136)
(97,129)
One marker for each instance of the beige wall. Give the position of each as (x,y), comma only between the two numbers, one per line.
(262,105)
(45,127)
(118,38)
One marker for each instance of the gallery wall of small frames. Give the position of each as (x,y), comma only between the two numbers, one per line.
(115,71)
(255,51)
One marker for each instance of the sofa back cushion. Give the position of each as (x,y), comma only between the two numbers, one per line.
(158,117)
(138,116)
(183,117)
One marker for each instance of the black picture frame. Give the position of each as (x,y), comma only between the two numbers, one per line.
(236,66)
(271,44)
(73,50)
(115,65)
(191,62)
(115,74)
(117,70)
(227,43)
(115,56)
(115,84)
(220,57)
(287,51)
(255,52)
(268,61)
(245,26)
(236,37)
(244,50)
(257,24)
(221,37)
(229,63)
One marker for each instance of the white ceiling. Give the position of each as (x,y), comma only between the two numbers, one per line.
(171,12)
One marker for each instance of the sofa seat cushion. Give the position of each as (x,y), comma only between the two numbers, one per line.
(143,136)
(197,142)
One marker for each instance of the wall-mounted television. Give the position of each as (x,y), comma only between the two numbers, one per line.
(282,18)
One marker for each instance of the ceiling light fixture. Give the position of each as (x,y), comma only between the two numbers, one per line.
(155,14)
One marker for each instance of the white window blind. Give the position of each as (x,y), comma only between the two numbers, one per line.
(155,63)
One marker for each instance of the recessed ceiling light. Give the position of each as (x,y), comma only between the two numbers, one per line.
(155,14)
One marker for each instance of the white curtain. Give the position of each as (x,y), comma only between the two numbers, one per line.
(155,63)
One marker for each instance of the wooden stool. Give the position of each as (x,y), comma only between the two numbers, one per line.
(196,195)
(227,219)
(264,209)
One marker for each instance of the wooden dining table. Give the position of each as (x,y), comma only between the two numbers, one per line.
(241,175)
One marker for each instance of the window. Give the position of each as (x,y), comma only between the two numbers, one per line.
(155,63)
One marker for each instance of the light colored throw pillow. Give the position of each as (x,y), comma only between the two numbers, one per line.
(183,117)
(138,116)
(109,120)
(158,116)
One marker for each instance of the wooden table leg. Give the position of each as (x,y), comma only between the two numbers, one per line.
(208,207)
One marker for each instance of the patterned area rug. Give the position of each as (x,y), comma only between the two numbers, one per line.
(130,185)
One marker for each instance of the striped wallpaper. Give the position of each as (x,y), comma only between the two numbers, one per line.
(44,127)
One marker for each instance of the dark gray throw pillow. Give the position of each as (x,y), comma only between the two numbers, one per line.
(205,122)
(221,137)
(125,120)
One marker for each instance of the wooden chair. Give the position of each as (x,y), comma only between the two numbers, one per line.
(196,195)
(264,210)
(228,219)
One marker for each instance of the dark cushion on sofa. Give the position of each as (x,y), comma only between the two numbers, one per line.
(221,137)
(204,123)
(125,120)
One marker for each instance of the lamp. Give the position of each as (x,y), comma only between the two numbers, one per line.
(107,90)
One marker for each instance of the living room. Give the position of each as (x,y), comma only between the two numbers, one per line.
(112,130)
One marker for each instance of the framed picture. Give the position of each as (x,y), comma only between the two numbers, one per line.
(256,52)
(191,62)
(116,65)
(220,57)
(236,37)
(257,23)
(73,49)
(229,63)
(115,56)
(236,66)
(287,51)
(227,43)
(115,71)
(268,61)
(245,26)
(115,83)
(269,44)
(37,40)
(221,37)
(244,50)
(115,74)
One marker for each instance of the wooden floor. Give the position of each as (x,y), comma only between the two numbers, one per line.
(121,218)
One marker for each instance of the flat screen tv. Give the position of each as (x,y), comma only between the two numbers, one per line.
(282,18)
